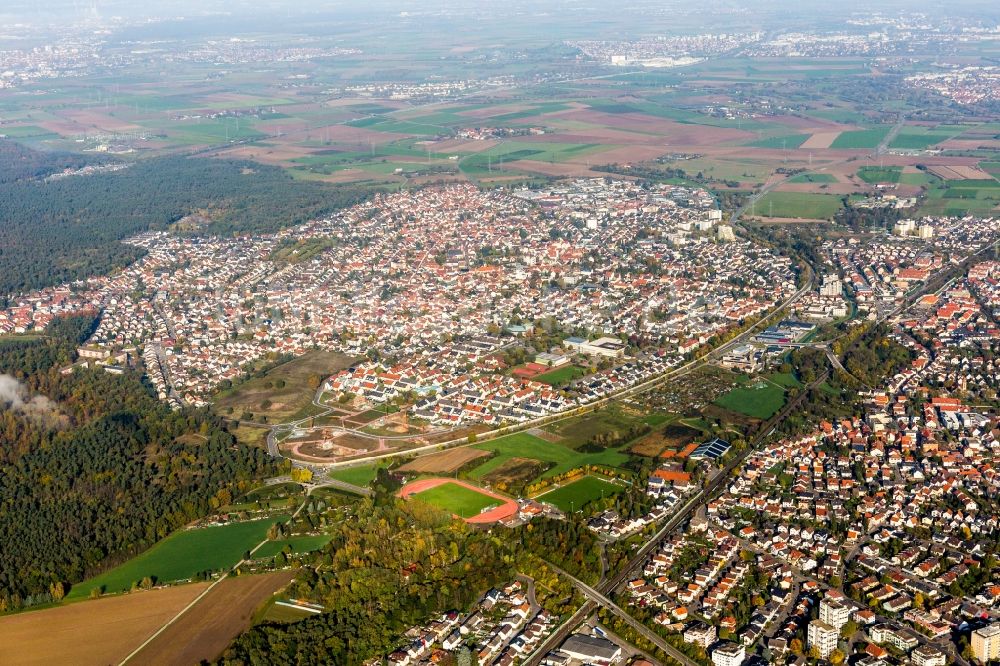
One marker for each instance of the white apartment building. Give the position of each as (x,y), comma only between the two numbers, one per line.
(986,643)
(729,654)
(822,636)
(834,613)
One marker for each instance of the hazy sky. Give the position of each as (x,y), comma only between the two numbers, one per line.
(67,8)
(292,15)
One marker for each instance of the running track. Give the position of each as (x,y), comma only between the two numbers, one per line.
(507,508)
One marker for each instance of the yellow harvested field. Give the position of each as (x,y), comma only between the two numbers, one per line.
(443,462)
(98,632)
(203,632)
(959,172)
(820,140)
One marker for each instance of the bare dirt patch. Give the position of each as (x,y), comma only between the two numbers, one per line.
(670,438)
(590,134)
(515,472)
(666,442)
(444,462)
(234,98)
(283,390)
(62,128)
(204,631)
(491,111)
(98,632)
(623,155)
(358,135)
(679,133)
(333,446)
(350,176)
(959,172)
(100,120)
(351,101)
(820,140)
(462,145)
(652,445)
(554,169)
(268,153)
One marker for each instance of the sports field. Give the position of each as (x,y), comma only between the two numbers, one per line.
(573,496)
(182,555)
(798,205)
(359,475)
(459,500)
(562,375)
(475,505)
(759,398)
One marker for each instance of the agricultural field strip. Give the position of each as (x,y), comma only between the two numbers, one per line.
(203,594)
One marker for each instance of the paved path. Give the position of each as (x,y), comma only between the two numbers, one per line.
(647,633)
(205,592)
(884,143)
(340,485)
(556,638)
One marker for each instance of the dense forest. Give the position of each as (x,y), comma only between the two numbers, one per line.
(19,162)
(58,231)
(868,355)
(391,567)
(566,543)
(25,357)
(869,219)
(98,469)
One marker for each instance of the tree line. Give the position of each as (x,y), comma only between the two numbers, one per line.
(100,470)
(22,163)
(390,567)
(72,228)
